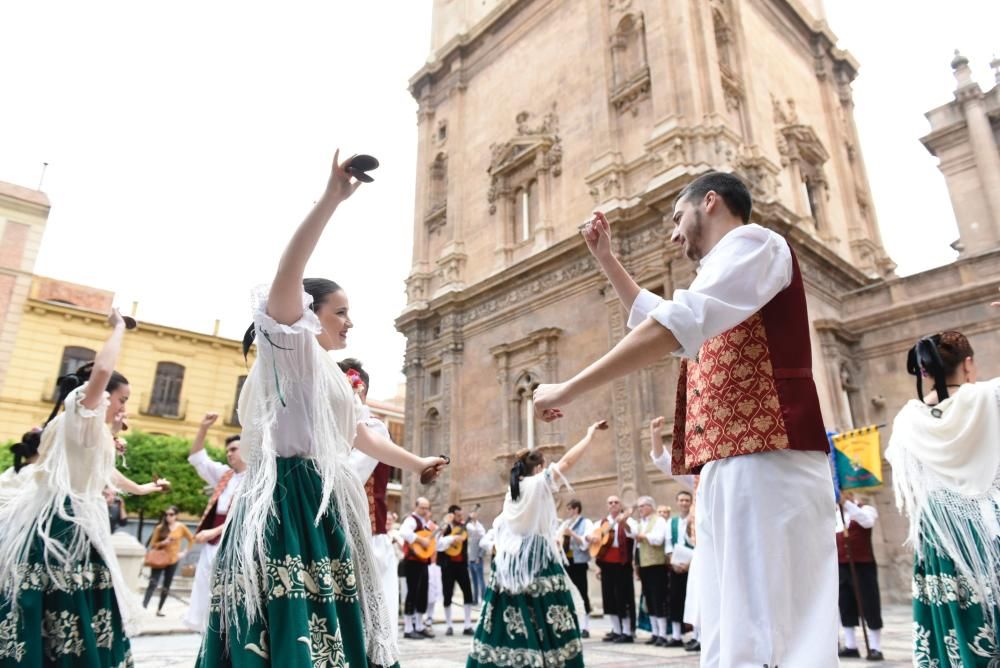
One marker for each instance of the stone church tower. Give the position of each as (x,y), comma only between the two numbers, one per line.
(534,113)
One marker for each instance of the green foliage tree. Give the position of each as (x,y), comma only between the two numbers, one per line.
(149,456)
(6,456)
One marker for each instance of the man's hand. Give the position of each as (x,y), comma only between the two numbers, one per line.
(423,541)
(548,400)
(597,234)
(208,420)
(680,568)
(656,426)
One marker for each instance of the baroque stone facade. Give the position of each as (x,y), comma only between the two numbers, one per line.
(534,113)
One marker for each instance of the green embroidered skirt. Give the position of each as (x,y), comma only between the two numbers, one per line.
(312,614)
(534,628)
(67,618)
(950,628)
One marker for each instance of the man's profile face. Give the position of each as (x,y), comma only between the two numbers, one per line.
(688,229)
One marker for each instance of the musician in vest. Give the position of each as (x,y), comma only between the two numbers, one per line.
(856,540)
(415,568)
(376,477)
(453,558)
(650,565)
(747,419)
(225,481)
(576,532)
(615,563)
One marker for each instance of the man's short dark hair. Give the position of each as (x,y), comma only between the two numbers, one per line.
(230,439)
(453,507)
(729,187)
(575,505)
(686,493)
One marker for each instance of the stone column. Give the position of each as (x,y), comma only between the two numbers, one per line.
(984,147)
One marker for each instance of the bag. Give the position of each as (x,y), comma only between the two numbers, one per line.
(187,571)
(157,558)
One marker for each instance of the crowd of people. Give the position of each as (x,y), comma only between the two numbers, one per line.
(299,562)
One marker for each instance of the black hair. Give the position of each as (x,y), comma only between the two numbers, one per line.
(230,439)
(26,449)
(162,525)
(317,288)
(575,504)
(71,381)
(526,462)
(937,356)
(453,507)
(353,364)
(686,493)
(729,187)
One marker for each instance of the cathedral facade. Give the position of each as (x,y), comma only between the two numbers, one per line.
(533,114)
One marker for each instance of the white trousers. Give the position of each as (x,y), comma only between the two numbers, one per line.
(385,566)
(767,562)
(196,617)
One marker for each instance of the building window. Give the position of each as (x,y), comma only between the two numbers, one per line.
(234,418)
(525,210)
(525,410)
(73,358)
(166,399)
(432,432)
(434,384)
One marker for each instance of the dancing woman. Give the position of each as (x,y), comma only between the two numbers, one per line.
(946,474)
(528,616)
(64,599)
(295,582)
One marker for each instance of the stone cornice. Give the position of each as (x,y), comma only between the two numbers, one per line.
(74,313)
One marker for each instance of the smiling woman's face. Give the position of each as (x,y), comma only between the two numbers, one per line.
(333,316)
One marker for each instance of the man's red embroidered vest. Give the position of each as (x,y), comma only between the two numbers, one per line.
(375,487)
(750,389)
(620,554)
(859,539)
(210,518)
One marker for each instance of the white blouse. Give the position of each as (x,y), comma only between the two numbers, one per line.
(741,274)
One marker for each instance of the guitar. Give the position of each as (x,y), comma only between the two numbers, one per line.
(425,552)
(601,539)
(461,535)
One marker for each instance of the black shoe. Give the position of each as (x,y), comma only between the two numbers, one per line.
(875,655)
(692,646)
(585,633)
(674,642)
(413,635)
(661,642)
(427,633)
(468,632)
(652,640)
(611,637)
(160,614)
(624,639)
(848,653)
(449,632)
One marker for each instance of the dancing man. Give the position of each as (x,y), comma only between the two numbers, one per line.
(747,418)
(225,481)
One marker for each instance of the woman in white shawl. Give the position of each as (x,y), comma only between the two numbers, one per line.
(528,616)
(64,601)
(295,583)
(945,456)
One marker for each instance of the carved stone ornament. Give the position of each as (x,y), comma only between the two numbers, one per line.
(533,140)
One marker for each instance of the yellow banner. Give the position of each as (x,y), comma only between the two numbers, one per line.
(859,458)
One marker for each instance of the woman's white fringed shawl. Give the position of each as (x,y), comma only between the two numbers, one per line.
(946,475)
(335,412)
(76,460)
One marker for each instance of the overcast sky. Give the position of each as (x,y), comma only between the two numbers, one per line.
(186,140)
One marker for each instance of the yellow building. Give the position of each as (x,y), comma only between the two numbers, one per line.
(176,375)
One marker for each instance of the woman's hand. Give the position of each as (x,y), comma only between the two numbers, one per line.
(597,234)
(115,319)
(547,400)
(158,485)
(600,425)
(340,187)
(438,464)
